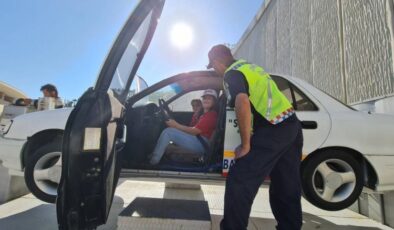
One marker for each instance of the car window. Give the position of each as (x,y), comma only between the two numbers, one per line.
(296,97)
(164,93)
(126,63)
(302,102)
(182,104)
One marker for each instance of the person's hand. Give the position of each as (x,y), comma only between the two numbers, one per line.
(172,123)
(241,151)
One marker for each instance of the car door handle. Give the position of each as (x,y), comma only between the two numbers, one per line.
(309,124)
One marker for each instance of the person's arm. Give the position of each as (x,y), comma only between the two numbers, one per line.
(190,130)
(238,98)
(244,116)
(59,103)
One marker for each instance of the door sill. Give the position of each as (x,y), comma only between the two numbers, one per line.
(173,177)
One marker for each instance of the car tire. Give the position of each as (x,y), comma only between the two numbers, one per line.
(44,158)
(332,180)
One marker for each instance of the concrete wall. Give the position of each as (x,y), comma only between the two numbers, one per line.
(11,186)
(344,47)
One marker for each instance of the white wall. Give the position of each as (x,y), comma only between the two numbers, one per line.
(344,47)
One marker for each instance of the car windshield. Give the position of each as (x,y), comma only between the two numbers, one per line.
(164,93)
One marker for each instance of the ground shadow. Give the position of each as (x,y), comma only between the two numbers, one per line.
(310,222)
(116,208)
(43,217)
(146,207)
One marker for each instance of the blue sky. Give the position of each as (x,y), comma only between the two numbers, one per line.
(66,42)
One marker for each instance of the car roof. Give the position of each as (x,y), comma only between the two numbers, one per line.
(186,81)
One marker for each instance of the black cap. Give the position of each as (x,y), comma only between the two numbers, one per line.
(219,52)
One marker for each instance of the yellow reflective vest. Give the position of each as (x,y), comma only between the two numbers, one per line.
(264,94)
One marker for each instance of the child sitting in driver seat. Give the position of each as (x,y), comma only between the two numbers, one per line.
(197,111)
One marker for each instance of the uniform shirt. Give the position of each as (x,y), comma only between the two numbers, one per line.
(207,123)
(236,83)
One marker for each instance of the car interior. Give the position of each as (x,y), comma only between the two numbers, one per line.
(145,120)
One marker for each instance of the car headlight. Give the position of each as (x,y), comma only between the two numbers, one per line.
(5,127)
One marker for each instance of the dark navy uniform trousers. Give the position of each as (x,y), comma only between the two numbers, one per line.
(275,152)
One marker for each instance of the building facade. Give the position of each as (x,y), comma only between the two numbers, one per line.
(343,47)
(8,95)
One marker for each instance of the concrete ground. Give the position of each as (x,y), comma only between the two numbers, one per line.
(28,212)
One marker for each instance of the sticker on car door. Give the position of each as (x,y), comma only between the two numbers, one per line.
(231,140)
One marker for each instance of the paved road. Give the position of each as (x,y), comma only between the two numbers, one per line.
(29,213)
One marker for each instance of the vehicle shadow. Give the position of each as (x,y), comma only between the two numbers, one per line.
(43,217)
(310,222)
(117,207)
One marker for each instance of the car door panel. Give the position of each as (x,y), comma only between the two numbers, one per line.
(316,123)
(93,134)
(80,204)
(315,120)
(316,126)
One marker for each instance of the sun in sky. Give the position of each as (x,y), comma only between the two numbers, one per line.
(181,35)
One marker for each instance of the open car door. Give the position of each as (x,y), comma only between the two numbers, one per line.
(93,135)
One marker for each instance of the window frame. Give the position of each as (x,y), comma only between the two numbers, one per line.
(173,99)
(293,88)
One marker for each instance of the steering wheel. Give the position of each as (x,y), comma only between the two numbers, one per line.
(164,110)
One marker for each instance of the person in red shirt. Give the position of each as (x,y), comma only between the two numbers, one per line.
(186,136)
(197,111)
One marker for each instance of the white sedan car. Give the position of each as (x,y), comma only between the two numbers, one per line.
(344,149)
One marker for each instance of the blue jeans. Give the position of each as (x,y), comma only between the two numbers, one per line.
(179,138)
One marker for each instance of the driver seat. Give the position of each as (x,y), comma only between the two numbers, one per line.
(181,155)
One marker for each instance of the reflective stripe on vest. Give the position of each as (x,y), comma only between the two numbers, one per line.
(269,106)
(264,94)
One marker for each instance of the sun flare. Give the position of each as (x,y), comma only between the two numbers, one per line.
(181,35)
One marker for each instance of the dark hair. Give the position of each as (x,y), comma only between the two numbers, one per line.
(200,113)
(49,88)
(215,101)
(220,53)
(196,101)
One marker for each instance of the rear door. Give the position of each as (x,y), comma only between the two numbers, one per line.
(94,132)
(314,118)
(315,121)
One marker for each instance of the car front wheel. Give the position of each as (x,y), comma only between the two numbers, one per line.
(43,171)
(332,180)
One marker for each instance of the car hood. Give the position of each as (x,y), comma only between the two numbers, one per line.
(26,125)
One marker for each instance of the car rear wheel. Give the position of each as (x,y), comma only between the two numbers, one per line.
(332,180)
(43,170)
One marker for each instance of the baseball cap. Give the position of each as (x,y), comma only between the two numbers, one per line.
(218,52)
(210,92)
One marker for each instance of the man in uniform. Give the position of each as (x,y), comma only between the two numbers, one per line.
(272,148)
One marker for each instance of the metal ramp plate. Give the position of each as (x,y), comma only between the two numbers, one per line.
(165,214)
